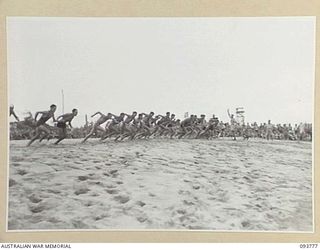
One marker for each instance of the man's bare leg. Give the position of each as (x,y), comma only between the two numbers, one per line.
(63,135)
(88,136)
(33,139)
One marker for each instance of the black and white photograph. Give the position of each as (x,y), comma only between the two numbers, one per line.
(202,123)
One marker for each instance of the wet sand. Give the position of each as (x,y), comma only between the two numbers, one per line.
(161,184)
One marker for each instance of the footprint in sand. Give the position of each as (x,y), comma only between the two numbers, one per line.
(196,186)
(51,164)
(17,158)
(79,224)
(88,203)
(101,216)
(140,203)
(37,208)
(97,183)
(81,191)
(142,218)
(248,179)
(114,171)
(34,199)
(12,182)
(122,198)
(245,224)
(181,211)
(21,172)
(125,163)
(36,219)
(52,191)
(53,220)
(112,191)
(138,154)
(189,203)
(83,178)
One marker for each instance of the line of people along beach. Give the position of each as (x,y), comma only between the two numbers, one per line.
(148,125)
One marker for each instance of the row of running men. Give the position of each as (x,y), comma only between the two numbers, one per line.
(142,125)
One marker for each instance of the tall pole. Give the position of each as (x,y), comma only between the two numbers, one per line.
(62,101)
(86,120)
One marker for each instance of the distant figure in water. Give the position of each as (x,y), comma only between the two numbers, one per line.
(96,126)
(40,124)
(13,113)
(233,125)
(62,124)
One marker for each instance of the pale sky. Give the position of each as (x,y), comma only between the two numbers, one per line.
(199,65)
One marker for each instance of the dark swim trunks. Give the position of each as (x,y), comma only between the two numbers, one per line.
(41,121)
(61,125)
(211,127)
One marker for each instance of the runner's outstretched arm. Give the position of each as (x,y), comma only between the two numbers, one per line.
(59,117)
(37,113)
(15,116)
(97,114)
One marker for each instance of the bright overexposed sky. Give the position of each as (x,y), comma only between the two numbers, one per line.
(199,65)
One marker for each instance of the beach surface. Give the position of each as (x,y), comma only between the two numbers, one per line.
(187,184)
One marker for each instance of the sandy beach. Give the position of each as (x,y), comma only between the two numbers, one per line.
(254,185)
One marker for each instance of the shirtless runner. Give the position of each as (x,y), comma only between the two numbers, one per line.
(13,113)
(96,126)
(40,124)
(62,124)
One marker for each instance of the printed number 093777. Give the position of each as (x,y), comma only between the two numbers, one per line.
(308,245)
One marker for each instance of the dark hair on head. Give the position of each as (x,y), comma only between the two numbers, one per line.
(168,113)
(134,112)
(121,113)
(53,106)
(74,110)
(152,112)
